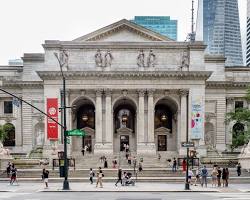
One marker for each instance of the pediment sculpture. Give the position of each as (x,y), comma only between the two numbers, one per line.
(103,61)
(151,58)
(140,58)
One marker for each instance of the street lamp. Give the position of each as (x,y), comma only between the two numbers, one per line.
(187,186)
(63,60)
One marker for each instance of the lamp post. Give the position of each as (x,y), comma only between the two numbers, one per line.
(187,186)
(62,62)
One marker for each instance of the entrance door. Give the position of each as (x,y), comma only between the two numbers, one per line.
(124,139)
(87,140)
(162,143)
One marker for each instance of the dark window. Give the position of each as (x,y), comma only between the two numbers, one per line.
(8,109)
(162,143)
(239,104)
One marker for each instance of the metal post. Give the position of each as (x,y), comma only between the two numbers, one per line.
(66,182)
(187,183)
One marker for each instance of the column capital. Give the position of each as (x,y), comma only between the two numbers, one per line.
(183,92)
(107,92)
(99,92)
(141,93)
(151,92)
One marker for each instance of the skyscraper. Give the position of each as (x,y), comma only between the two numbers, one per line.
(248,34)
(160,24)
(218,25)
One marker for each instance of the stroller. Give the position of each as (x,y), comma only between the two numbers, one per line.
(128,180)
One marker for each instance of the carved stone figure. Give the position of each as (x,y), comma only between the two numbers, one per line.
(140,59)
(185,61)
(3,152)
(108,59)
(39,138)
(64,58)
(151,59)
(98,58)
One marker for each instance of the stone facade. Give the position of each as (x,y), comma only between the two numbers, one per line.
(146,105)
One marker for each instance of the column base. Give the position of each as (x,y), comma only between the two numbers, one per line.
(102,149)
(146,149)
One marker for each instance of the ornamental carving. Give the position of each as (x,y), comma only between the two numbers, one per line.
(108,59)
(98,58)
(140,58)
(151,59)
(185,61)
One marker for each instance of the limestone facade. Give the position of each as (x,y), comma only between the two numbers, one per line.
(135,86)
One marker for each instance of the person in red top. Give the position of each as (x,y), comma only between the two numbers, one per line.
(184,165)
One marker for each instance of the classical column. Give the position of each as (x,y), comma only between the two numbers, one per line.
(151,116)
(98,116)
(141,137)
(183,121)
(108,118)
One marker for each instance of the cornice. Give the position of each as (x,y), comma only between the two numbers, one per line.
(226,84)
(23,84)
(56,44)
(186,75)
(38,57)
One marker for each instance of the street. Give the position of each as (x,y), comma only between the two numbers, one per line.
(142,191)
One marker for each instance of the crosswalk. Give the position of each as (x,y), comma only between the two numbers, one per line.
(229,196)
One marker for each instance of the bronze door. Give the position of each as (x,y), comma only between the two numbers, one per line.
(162,143)
(87,140)
(124,139)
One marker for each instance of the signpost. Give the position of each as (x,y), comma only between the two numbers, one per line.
(76,132)
(187,144)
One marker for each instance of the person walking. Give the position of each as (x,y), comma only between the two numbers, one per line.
(100,175)
(197,176)
(204,174)
(190,175)
(174,165)
(105,163)
(214,176)
(8,168)
(91,175)
(119,177)
(45,177)
(238,169)
(13,173)
(219,176)
(140,166)
(227,177)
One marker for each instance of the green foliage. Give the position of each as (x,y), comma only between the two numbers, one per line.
(3,134)
(240,115)
(4,130)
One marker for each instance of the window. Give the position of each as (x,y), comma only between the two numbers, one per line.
(8,109)
(238,104)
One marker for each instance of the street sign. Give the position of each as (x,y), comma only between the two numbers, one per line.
(76,132)
(187,144)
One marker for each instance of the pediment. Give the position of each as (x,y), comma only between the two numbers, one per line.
(123,30)
(124,130)
(162,130)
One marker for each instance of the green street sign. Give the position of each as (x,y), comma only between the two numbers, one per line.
(76,132)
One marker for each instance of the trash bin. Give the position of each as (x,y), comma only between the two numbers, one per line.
(61,168)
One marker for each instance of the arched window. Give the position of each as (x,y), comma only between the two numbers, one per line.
(9,129)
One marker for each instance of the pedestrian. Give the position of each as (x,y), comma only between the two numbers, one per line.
(8,168)
(105,163)
(227,176)
(224,176)
(204,174)
(159,156)
(83,150)
(124,178)
(91,175)
(197,176)
(100,175)
(184,165)
(119,177)
(127,148)
(219,176)
(13,173)
(238,169)
(174,165)
(190,175)
(140,166)
(45,177)
(129,159)
(214,176)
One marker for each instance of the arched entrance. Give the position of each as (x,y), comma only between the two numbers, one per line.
(10,139)
(84,118)
(124,120)
(165,122)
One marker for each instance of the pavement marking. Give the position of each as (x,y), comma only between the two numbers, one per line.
(230,196)
(6,195)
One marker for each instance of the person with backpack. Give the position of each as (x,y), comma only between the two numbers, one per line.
(45,177)
(8,168)
(91,175)
(204,174)
(13,172)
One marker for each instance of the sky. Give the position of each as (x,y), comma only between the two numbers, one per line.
(26,24)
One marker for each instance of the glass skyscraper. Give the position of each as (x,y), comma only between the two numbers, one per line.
(248,33)
(218,22)
(160,24)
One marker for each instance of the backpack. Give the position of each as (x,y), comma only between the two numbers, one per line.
(93,174)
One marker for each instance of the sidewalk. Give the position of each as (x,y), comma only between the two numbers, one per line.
(110,187)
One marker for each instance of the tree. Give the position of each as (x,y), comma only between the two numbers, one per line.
(3,134)
(240,116)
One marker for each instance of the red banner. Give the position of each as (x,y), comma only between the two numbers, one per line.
(52,111)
